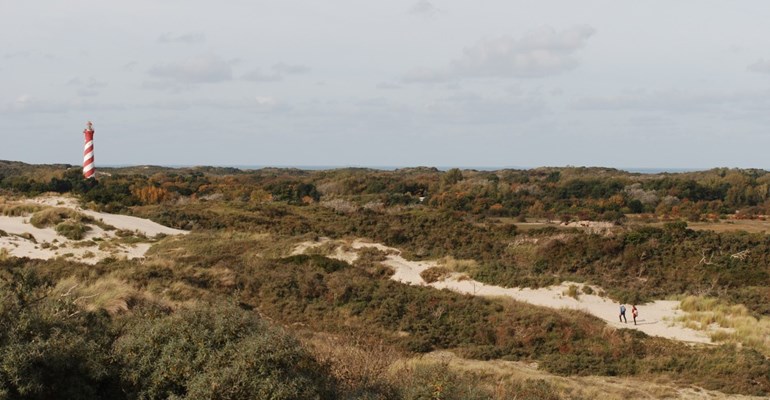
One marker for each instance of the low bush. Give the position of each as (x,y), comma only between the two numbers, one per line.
(434,274)
(54,215)
(327,264)
(217,352)
(72,230)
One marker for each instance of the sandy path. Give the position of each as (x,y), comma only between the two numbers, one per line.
(655,319)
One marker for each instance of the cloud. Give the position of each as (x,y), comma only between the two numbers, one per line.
(761,66)
(475,109)
(265,101)
(91,84)
(185,38)
(27,104)
(87,92)
(16,54)
(268,105)
(279,70)
(713,104)
(201,69)
(539,53)
(288,69)
(424,8)
(425,75)
(129,66)
(257,75)
(388,86)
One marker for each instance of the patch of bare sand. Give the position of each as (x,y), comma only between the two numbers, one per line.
(24,240)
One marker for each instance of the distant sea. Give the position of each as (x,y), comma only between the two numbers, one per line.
(441,168)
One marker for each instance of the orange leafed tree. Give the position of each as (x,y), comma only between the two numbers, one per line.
(151,194)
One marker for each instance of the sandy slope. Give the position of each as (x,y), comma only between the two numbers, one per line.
(655,319)
(47,244)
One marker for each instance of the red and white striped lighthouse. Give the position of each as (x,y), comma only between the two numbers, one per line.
(89,169)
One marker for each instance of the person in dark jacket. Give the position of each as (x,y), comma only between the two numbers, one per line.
(623,313)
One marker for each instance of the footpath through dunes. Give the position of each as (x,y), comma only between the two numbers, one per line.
(67,230)
(658,318)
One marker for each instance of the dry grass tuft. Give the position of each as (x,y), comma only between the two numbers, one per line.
(224,277)
(435,274)
(325,249)
(182,292)
(108,293)
(734,322)
(18,209)
(359,363)
(572,291)
(52,216)
(452,264)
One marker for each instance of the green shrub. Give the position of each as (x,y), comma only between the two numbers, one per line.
(49,348)
(327,264)
(72,230)
(434,274)
(19,210)
(53,216)
(436,381)
(217,352)
(573,291)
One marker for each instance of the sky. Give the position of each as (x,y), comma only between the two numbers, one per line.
(486,83)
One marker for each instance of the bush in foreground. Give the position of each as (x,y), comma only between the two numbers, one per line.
(217,352)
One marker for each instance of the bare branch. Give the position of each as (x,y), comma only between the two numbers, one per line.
(85,297)
(70,290)
(741,255)
(703,260)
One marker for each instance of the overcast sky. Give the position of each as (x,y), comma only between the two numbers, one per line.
(682,84)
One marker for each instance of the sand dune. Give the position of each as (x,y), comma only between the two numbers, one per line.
(655,319)
(24,240)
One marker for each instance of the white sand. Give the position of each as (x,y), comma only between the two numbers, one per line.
(84,250)
(655,319)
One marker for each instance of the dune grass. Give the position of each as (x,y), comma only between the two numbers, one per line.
(18,209)
(435,274)
(107,293)
(51,216)
(734,322)
(72,230)
(572,291)
(453,264)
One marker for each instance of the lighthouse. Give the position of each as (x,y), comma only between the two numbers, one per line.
(88,152)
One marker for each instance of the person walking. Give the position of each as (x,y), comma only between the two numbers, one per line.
(623,313)
(634,312)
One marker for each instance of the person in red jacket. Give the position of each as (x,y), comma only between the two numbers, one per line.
(634,312)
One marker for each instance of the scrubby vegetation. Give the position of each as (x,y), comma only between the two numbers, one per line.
(228,312)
